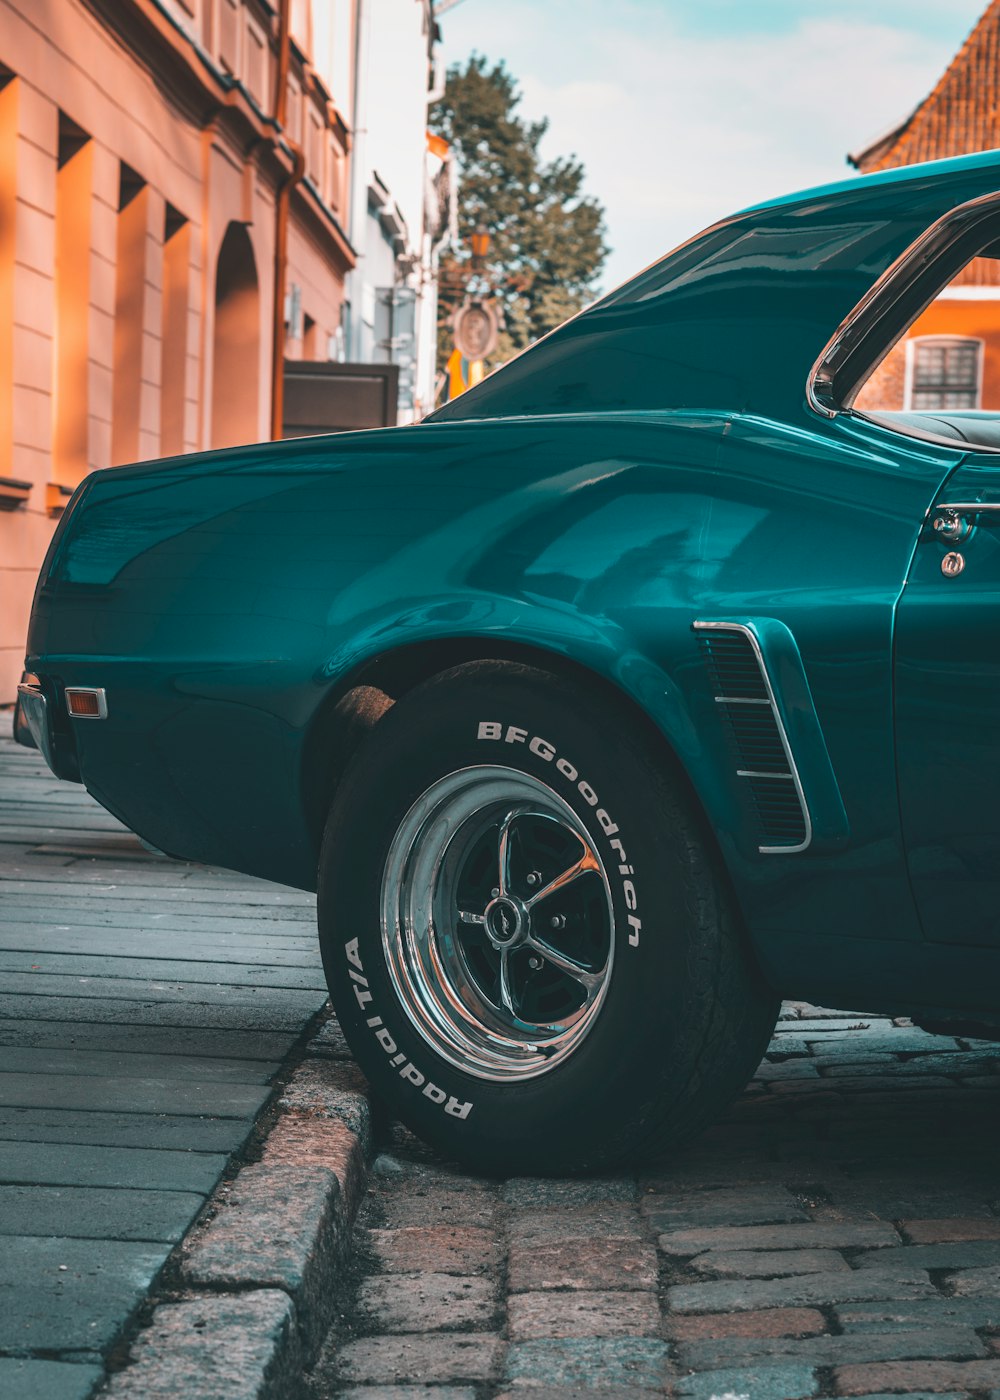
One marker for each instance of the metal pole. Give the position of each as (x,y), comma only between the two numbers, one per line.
(282,203)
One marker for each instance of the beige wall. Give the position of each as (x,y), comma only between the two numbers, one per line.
(115,201)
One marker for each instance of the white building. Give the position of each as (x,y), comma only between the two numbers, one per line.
(402,202)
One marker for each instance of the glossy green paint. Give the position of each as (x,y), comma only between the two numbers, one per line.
(652,463)
(828,558)
(948,719)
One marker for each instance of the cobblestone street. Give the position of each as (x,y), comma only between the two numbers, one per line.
(837,1235)
(146,1006)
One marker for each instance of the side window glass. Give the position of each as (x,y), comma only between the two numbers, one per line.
(948,357)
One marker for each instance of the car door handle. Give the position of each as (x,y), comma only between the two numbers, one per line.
(949,520)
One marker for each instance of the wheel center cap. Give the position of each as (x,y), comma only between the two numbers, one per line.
(505,923)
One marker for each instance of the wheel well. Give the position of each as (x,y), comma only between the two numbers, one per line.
(349,715)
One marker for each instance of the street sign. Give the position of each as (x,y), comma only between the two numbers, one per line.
(477,329)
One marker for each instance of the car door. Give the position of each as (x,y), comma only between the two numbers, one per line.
(947,693)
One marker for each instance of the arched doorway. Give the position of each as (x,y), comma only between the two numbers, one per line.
(236,358)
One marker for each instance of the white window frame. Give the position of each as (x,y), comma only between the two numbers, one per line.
(911,344)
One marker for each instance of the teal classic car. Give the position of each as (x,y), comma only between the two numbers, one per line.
(651,680)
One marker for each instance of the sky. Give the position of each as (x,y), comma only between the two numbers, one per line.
(683,111)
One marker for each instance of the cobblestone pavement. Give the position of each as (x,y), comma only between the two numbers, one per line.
(837,1235)
(145,1007)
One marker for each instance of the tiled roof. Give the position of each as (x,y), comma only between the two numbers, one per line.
(961,114)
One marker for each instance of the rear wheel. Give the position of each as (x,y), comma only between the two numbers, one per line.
(528,943)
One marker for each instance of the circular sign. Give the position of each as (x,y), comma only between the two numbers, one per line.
(477,329)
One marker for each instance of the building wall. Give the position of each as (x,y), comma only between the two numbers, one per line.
(393,88)
(334,26)
(137,235)
(379,272)
(396,103)
(973,319)
(958,116)
(960,317)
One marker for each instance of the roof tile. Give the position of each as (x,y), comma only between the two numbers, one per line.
(960,115)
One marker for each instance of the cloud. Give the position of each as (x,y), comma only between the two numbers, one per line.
(677,128)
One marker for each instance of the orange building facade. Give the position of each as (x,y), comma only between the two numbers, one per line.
(141,179)
(950,356)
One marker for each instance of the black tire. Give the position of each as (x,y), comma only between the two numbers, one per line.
(674,1017)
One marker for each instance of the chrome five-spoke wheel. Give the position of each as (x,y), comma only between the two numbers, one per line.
(497,923)
(528,936)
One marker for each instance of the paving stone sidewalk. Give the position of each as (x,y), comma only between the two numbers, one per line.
(837,1235)
(146,1007)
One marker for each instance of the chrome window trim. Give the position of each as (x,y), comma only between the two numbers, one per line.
(922,253)
(793,771)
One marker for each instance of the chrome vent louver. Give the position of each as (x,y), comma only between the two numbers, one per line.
(764,761)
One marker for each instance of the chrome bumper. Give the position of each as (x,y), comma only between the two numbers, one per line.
(35,709)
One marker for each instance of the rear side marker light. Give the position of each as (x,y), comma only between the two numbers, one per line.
(84,702)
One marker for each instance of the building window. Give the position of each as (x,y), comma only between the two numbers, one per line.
(71,400)
(173,376)
(256,64)
(130,301)
(236,342)
(228,19)
(945,372)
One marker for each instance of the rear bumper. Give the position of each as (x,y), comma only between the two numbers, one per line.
(34,708)
(22,734)
(56,748)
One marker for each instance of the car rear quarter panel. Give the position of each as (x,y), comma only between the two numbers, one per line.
(223,603)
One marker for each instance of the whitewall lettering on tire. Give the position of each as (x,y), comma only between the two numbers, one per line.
(496,732)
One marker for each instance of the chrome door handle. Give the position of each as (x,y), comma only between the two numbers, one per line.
(949,520)
(949,524)
(969,507)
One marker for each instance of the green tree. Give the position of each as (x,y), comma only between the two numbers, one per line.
(547,238)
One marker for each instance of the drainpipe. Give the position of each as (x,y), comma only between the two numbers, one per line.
(281,223)
(359,173)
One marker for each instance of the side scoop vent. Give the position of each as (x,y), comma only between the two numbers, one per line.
(764,762)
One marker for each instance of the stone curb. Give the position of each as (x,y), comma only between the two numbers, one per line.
(259,1274)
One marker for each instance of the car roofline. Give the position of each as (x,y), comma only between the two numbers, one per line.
(898,175)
